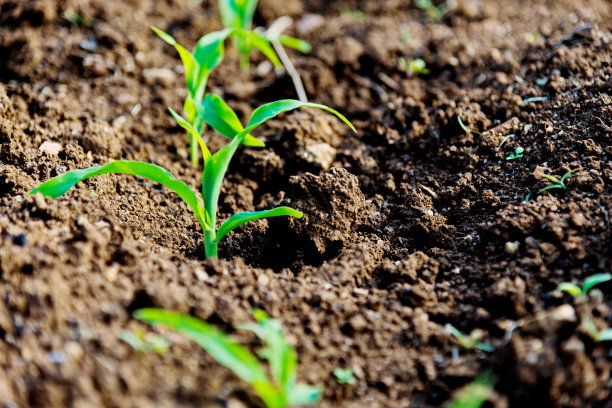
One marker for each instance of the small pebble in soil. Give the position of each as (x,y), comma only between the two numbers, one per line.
(511,247)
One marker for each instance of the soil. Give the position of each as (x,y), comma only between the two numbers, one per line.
(410,223)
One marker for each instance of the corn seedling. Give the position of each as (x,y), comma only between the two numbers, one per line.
(588,284)
(413,67)
(142,342)
(469,342)
(518,153)
(277,392)
(344,376)
(596,334)
(225,121)
(557,183)
(475,394)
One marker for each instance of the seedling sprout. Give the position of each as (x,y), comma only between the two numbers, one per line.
(435,12)
(557,183)
(344,376)
(475,393)
(277,392)
(469,342)
(588,284)
(143,343)
(224,120)
(596,334)
(413,67)
(518,153)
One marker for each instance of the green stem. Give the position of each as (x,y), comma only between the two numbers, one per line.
(194,151)
(210,246)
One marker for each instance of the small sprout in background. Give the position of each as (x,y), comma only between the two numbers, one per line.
(77,19)
(465,128)
(434,12)
(528,195)
(413,67)
(596,334)
(225,121)
(588,284)
(518,153)
(144,342)
(277,392)
(557,183)
(344,376)
(532,37)
(474,394)
(356,15)
(469,342)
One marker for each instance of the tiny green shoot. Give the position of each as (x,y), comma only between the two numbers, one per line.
(596,334)
(557,183)
(475,394)
(465,128)
(140,341)
(281,390)
(413,67)
(225,121)
(469,342)
(344,376)
(434,12)
(356,15)
(588,284)
(518,153)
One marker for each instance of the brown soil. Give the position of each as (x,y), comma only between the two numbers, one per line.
(409,224)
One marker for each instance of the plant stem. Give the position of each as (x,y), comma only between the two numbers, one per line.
(210,246)
(194,151)
(293,74)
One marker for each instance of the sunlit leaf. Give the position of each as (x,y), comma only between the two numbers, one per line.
(59,185)
(303,394)
(191,67)
(264,46)
(595,280)
(224,120)
(475,393)
(219,345)
(192,132)
(295,43)
(237,220)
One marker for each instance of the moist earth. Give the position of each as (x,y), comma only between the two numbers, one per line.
(410,223)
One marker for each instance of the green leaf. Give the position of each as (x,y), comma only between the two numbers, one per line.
(269,394)
(475,393)
(237,220)
(59,185)
(227,352)
(191,67)
(303,394)
(551,178)
(344,376)
(595,280)
(570,288)
(230,13)
(187,126)
(569,173)
(552,186)
(270,110)
(224,120)
(295,43)
(208,53)
(605,335)
(263,45)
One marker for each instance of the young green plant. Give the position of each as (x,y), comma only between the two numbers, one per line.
(474,394)
(588,284)
(413,67)
(557,183)
(435,12)
(281,390)
(518,153)
(470,341)
(596,334)
(225,121)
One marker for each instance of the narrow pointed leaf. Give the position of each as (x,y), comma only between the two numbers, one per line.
(264,46)
(187,126)
(570,288)
(551,178)
(224,120)
(191,67)
(59,185)
(270,110)
(303,394)
(229,11)
(595,280)
(269,394)
(569,173)
(295,43)
(208,54)
(220,346)
(552,186)
(237,220)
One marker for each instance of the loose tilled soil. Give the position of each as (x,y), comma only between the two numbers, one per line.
(410,224)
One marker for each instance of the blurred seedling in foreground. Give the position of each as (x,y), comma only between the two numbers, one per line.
(475,394)
(279,391)
(144,342)
(470,341)
(413,67)
(224,120)
(588,284)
